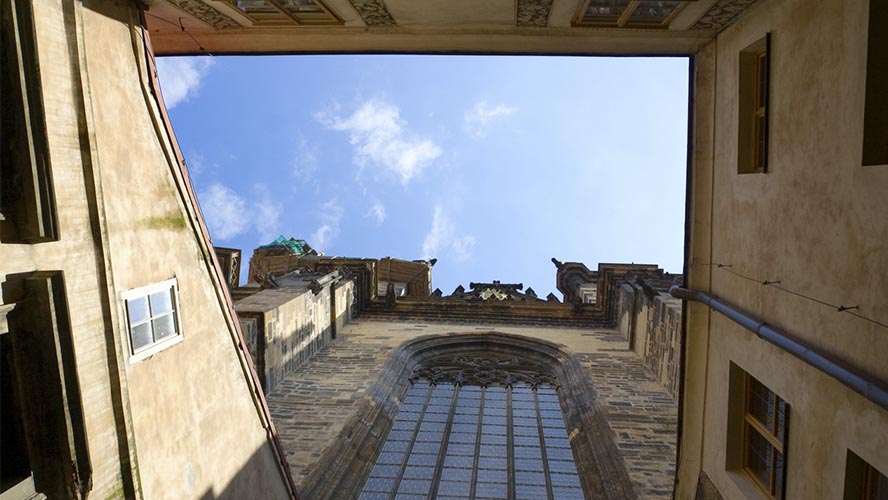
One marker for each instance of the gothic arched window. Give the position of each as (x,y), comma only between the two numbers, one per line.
(479,425)
(475,416)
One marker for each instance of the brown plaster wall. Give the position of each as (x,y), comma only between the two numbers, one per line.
(817,222)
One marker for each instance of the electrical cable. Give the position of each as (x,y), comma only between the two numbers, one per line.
(181,27)
(778,285)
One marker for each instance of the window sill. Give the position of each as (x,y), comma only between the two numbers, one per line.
(745,485)
(154,349)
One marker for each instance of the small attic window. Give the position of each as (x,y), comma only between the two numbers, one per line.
(152,315)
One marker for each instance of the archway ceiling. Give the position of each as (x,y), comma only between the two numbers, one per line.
(639,27)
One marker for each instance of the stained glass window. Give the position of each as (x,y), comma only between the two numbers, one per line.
(472,442)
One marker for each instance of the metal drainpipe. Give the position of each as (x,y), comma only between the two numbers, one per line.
(870,389)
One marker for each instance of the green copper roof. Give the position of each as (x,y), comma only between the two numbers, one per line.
(298,247)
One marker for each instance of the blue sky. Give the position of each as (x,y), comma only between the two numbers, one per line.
(493,165)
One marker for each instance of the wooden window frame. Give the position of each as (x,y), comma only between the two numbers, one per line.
(27,196)
(871,478)
(862,479)
(875,113)
(47,389)
(753,124)
(768,431)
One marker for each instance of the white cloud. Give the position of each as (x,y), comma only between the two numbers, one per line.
(267,213)
(377,211)
(306,161)
(442,239)
(228,214)
(225,212)
(330,217)
(378,134)
(180,77)
(462,247)
(480,118)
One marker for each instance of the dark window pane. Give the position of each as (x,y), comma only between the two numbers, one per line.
(758,456)
(490,436)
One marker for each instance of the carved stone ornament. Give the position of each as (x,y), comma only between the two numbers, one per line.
(721,14)
(374,13)
(484,370)
(533,13)
(207,14)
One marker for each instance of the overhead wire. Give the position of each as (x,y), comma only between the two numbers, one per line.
(779,286)
(181,28)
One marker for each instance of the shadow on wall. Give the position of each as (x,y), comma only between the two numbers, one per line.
(251,479)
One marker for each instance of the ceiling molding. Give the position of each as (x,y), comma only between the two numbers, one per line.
(374,13)
(722,14)
(207,14)
(533,13)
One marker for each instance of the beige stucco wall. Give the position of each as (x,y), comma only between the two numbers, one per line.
(75,252)
(195,427)
(817,222)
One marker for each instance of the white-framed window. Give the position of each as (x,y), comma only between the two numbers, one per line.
(152,318)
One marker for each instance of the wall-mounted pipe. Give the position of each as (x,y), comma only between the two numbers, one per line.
(871,389)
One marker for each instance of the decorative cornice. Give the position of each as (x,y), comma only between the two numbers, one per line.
(484,369)
(374,13)
(207,14)
(722,14)
(533,13)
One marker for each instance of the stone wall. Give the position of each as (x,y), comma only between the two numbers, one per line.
(291,325)
(250,329)
(651,321)
(335,402)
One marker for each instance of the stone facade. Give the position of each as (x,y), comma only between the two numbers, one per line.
(285,326)
(651,321)
(317,407)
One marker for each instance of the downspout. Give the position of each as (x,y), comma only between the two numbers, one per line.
(873,390)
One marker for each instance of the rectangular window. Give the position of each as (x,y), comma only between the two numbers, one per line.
(152,315)
(752,143)
(27,202)
(875,118)
(764,432)
(863,481)
(758,423)
(44,449)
